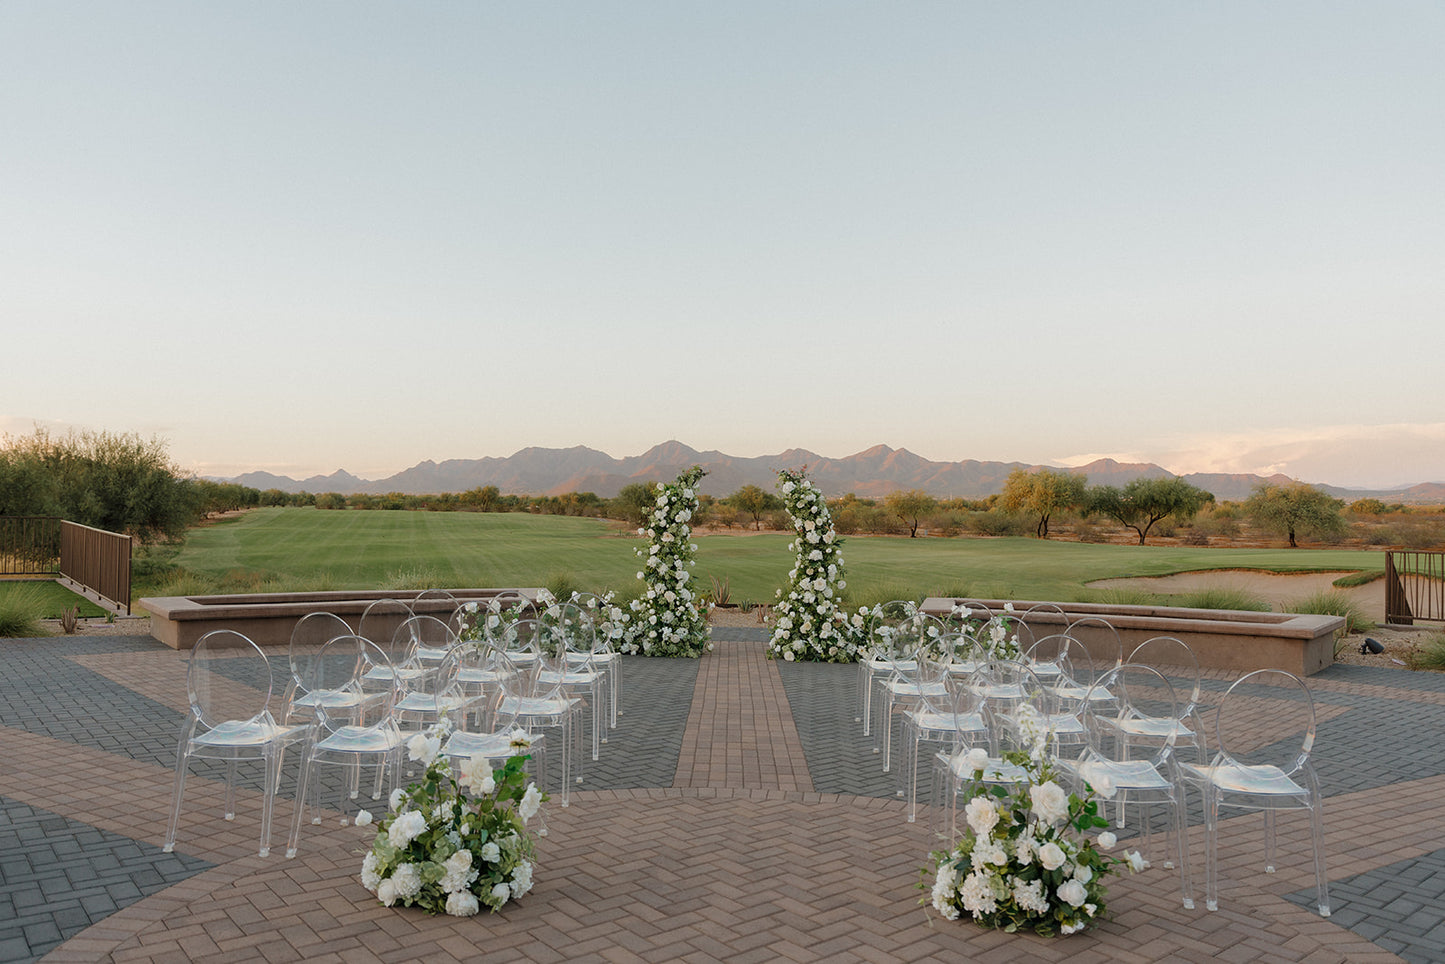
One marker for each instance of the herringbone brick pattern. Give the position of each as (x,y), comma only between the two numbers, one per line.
(737,814)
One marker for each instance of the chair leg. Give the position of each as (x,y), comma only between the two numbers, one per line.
(230,790)
(181,764)
(1211,848)
(1317,831)
(301,783)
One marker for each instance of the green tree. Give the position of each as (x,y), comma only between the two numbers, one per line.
(755,501)
(1295,508)
(1042,493)
(634,503)
(1145,501)
(910,506)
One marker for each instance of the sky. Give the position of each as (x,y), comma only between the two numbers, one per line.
(302,237)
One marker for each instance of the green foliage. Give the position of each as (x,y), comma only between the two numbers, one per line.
(1124,597)
(634,503)
(1432,654)
(1295,508)
(755,501)
(1042,493)
(1220,597)
(21,609)
(1332,602)
(53,598)
(1367,507)
(120,483)
(910,506)
(1143,502)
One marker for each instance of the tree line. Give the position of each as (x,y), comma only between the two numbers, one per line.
(127,484)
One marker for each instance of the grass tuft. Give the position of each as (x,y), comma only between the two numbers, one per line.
(1352,579)
(1431,655)
(1332,602)
(21,610)
(1222,597)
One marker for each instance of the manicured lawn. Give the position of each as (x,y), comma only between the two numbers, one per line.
(349,549)
(54,598)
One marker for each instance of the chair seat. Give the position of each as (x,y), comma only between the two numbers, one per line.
(1238,778)
(1153,727)
(361,739)
(428,703)
(333,700)
(1137,775)
(570,678)
(995,771)
(247,733)
(492,746)
(537,706)
(950,722)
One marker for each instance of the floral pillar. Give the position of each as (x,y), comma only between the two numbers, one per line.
(809,623)
(665,620)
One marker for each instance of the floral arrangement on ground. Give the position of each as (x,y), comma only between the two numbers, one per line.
(1025,863)
(665,619)
(808,622)
(452,842)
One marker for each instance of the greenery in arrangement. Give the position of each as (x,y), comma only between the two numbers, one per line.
(452,842)
(809,622)
(666,620)
(1024,863)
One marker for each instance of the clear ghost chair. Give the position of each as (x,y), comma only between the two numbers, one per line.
(566,632)
(1068,686)
(230,721)
(607,632)
(1176,661)
(1145,776)
(429,638)
(876,658)
(538,703)
(947,713)
(434,602)
(1264,735)
(381,619)
(916,640)
(311,633)
(338,742)
(997,690)
(432,696)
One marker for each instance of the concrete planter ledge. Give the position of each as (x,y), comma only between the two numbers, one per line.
(268,618)
(1232,639)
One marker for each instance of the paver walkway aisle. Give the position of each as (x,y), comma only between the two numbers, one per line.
(740,733)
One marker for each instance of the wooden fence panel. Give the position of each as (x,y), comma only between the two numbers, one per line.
(98,560)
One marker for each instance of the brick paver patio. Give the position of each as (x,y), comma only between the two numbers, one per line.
(737,813)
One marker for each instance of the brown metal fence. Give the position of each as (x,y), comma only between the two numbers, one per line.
(1414,587)
(98,560)
(29,545)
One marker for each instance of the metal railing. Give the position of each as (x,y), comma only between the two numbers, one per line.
(47,546)
(29,545)
(1414,587)
(98,560)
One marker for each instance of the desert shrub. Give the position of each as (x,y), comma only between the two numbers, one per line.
(1367,507)
(1332,602)
(998,523)
(1087,531)
(21,609)
(1165,529)
(1217,523)
(1196,537)
(1380,536)
(1220,597)
(1420,533)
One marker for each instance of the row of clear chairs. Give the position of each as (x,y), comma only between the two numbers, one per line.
(351,702)
(1139,727)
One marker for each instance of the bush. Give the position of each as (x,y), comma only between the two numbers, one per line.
(21,610)
(1431,654)
(1222,597)
(1332,602)
(998,523)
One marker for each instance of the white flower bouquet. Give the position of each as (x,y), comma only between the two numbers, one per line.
(1025,863)
(665,619)
(455,843)
(809,622)
(997,633)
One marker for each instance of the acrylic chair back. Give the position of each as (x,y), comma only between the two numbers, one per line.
(228,678)
(381,619)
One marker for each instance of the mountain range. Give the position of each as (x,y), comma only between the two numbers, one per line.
(869,474)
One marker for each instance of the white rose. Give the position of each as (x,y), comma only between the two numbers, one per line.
(1052,856)
(1107,840)
(462,903)
(363,818)
(1072,893)
(1050,801)
(981,815)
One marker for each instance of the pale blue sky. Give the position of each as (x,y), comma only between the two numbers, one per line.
(310,236)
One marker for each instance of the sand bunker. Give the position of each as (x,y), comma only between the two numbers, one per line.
(1278,589)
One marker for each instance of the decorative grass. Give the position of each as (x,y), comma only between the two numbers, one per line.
(1221,597)
(1332,602)
(22,606)
(52,598)
(1432,654)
